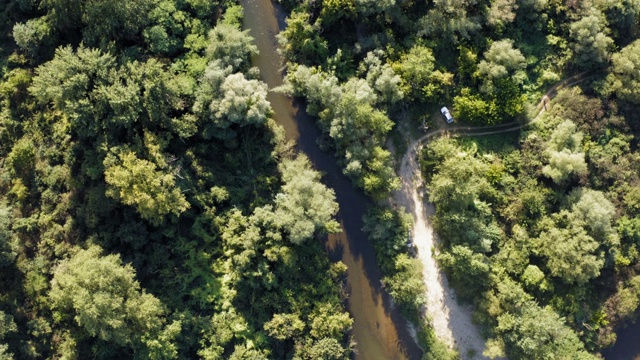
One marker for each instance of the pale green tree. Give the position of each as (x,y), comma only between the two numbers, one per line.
(304,205)
(502,13)
(347,113)
(322,90)
(501,60)
(32,35)
(591,44)
(233,47)
(243,102)
(566,136)
(564,165)
(382,78)
(594,209)
(139,182)
(225,101)
(624,78)
(565,158)
(100,294)
(208,90)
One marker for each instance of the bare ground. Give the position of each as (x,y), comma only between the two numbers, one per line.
(451,321)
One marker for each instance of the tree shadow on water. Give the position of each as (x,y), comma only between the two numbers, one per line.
(353,247)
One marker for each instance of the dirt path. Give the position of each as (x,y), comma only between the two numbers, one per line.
(451,321)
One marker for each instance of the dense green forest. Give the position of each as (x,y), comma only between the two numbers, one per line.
(149,206)
(539,229)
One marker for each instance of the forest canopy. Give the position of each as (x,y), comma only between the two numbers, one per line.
(539,225)
(149,206)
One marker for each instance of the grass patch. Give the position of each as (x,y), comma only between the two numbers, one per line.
(500,144)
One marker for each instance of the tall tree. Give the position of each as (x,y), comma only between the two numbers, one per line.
(301,42)
(500,60)
(231,46)
(101,21)
(571,253)
(304,205)
(7,250)
(7,326)
(415,68)
(225,102)
(529,331)
(624,79)
(565,158)
(139,182)
(591,44)
(100,295)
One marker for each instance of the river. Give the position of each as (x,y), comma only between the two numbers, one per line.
(379,330)
(627,347)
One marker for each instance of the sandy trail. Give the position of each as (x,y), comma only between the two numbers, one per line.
(451,321)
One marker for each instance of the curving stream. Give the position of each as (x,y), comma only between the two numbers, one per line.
(379,330)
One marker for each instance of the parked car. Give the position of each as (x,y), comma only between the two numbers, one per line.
(447,115)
